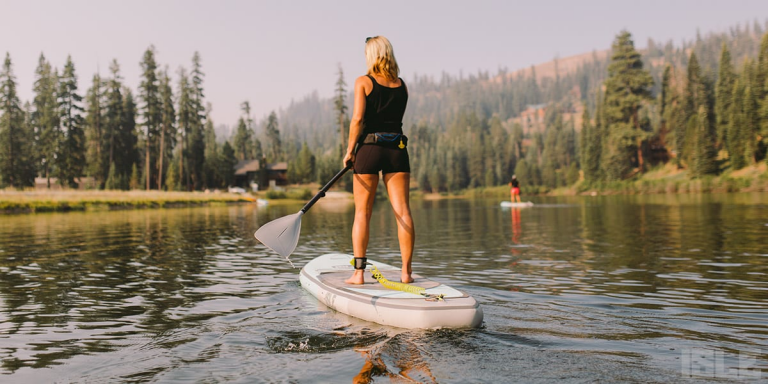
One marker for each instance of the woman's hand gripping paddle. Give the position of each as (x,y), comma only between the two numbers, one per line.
(282,235)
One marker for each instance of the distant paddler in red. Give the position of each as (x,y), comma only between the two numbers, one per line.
(514,189)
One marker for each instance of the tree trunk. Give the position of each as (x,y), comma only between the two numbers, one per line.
(181,160)
(639,143)
(162,156)
(146,169)
(111,150)
(10,144)
(98,139)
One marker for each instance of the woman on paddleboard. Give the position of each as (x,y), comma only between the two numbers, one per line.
(377,144)
(514,189)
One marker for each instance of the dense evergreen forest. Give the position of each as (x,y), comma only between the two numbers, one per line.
(701,106)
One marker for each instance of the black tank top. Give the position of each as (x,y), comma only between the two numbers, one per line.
(384,108)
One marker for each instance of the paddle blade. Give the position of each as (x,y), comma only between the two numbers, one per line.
(281,235)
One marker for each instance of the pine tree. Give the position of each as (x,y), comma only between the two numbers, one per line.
(212,156)
(497,141)
(128,139)
(70,158)
(135,182)
(517,141)
(572,174)
(704,162)
(274,146)
(584,139)
(172,177)
(197,126)
(666,80)
(186,114)
(341,109)
(697,94)
(736,151)
(751,124)
(168,126)
(598,133)
(257,150)
(196,155)
(435,174)
(16,163)
(242,140)
(113,180)
(761,72)
(522,172)
(97,141)
(532,88)
(723,91)
(151,111)
(45,117)
(245,135)
(302,169)
(628,86)
(113,121)
(227,164)
(590,144)
(672,115)
(477,160)
(198,95)
(760,88)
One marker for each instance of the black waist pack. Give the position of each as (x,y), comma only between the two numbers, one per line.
(386,139)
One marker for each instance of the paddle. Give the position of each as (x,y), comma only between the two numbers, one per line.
(282,235)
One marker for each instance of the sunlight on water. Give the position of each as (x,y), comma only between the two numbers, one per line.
(626,288)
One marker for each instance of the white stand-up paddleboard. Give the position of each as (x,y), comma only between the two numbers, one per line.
(324,278)
(509,204)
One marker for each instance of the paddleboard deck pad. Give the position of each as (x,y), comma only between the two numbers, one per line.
(509,204)
(324,278)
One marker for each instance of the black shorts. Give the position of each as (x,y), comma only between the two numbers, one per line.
(372,158)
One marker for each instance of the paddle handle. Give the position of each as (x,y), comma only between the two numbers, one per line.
(328,186)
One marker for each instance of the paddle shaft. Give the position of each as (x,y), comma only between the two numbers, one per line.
(328,186)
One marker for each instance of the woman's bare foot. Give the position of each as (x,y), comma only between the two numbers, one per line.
(406,278)
(357,278)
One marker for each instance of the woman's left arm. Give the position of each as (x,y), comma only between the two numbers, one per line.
(356,124)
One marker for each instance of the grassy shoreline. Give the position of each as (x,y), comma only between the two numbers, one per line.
(12,202)
(664,180)
(670,180)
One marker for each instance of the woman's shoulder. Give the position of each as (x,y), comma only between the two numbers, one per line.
(364,79)
(365,83)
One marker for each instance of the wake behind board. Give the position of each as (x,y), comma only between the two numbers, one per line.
(324,278)
(509,204)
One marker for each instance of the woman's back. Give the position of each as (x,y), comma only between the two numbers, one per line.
(385,106)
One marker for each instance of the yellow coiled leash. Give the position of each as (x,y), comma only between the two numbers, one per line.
(403,287)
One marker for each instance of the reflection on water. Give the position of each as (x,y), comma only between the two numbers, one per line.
(622,287)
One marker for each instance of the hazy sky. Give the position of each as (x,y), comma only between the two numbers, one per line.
(270,52)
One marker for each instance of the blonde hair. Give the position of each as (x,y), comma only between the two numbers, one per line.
(380,58)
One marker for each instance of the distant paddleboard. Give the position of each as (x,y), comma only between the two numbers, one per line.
(324,278)
(509,204)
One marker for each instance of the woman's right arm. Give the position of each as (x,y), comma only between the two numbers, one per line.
(356,124)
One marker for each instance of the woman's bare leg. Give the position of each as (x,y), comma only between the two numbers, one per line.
(398,186)
(364,193)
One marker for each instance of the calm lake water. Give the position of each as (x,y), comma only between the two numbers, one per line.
(583,289)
